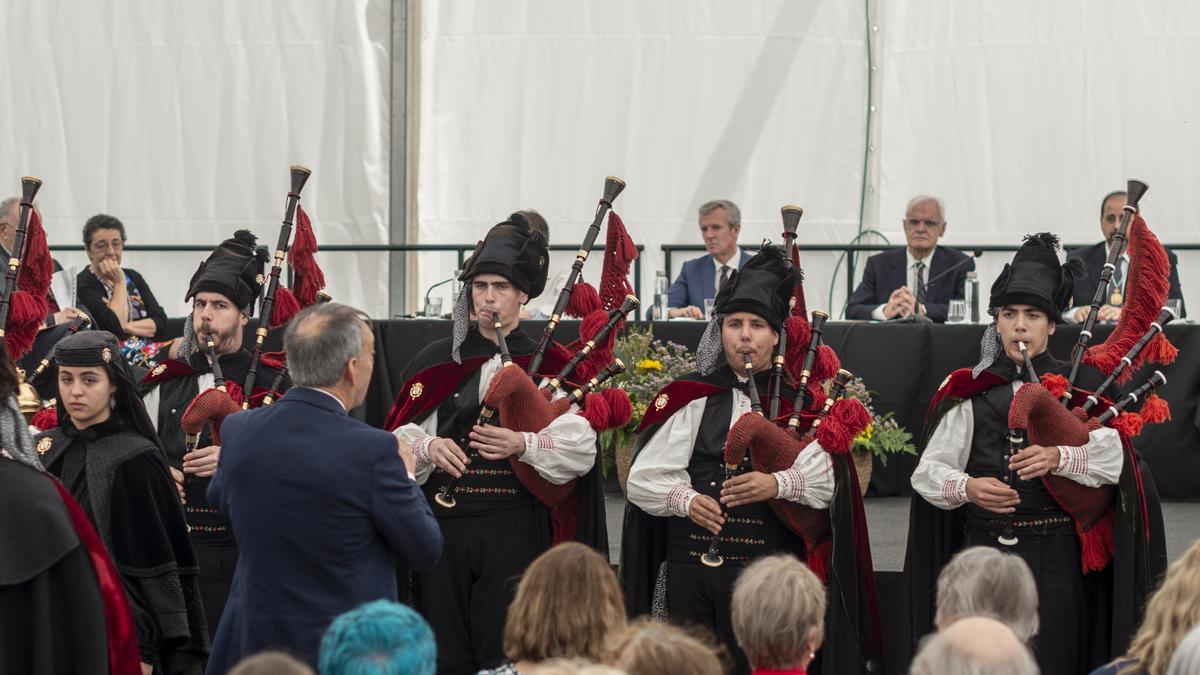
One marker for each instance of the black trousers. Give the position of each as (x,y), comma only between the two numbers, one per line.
(1064,640)
(217,562)
(702,596)
(465,597)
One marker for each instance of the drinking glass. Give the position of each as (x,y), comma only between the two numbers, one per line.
(957,312)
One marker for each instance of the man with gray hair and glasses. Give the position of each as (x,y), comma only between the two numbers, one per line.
(892,280)
(977,645)
(320,503)
(983,581)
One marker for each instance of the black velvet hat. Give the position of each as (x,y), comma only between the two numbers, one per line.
(515,251)
(234,269)
(763,286)
(1035,278)
(101,348)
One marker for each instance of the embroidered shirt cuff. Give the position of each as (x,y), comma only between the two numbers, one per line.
(536,445)
(679,499)
(420,449)
(1072,461)
(954,491)
(791,484)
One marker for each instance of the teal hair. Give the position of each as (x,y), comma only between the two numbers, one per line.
(378,638)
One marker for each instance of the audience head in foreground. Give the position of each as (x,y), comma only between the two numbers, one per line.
(378,638)
(1187,655)
(654,648)
(271,663)
(1172,611)
(567,605)
(974,646)
(983,581)
(778,613)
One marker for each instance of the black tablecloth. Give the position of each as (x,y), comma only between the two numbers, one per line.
(902,364)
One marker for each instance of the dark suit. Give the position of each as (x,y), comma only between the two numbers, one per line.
(888,271)
(697,281)
(1094,257)
(323,509)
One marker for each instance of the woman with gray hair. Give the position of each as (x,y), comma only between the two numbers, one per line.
(983,581)
(778,614)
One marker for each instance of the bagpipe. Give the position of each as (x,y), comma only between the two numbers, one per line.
(515,400)
(773,442)
(1051,411)
(23,305)
(279,305)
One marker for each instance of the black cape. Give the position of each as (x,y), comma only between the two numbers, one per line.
(1139,551)
(853,643)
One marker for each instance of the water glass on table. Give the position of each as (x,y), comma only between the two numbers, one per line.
(709,304)
(433,307)
(957,312)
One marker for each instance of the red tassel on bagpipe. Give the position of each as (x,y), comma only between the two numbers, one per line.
(852,414)
(595,411)
(620,408)
(799,333)
(25,315)
(1055,384)
(584,300)
(826,365)
(799,306)
(285,309)
(45,419)
(1155,410)
(1160,350)
(1145,292)
(834,437)
(307,277)
(619,253)
(1129,423)
(36,266)
(276,360)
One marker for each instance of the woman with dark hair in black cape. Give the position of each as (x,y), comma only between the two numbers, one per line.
(108,456)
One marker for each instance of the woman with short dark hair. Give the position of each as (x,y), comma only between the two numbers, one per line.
(117,297)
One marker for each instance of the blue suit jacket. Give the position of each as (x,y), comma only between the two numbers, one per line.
(321,503)
(887,271)
(697,282)
(1094,257)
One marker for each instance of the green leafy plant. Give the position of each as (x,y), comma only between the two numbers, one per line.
(650,364)
(883,436)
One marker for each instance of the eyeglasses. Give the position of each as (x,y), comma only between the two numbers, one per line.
(116,245)
(913,222)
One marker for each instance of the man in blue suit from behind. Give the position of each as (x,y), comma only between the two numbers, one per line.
(322,505)
(720,223)
(890,282)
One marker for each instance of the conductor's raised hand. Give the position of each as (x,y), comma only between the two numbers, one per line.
(992,494)
(705,512)
(494,442)
(448,457)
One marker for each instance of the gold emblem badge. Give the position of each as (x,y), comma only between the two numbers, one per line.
(660,402)
(158,370)
(416,390)
(43,445)
(106,354)
(259,279)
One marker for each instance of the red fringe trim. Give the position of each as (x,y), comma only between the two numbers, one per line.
(619,252)
(799,332)
(1096,545)
(826,364)
(36,266)
(307,277)
(26,312)
(817,559)
(1155,410)
(584,300)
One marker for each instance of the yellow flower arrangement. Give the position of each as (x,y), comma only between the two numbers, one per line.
(650,364)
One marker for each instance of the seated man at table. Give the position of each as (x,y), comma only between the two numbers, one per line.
(720,223)
(892,279)
(1095,256)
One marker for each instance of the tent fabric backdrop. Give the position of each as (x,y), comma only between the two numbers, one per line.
(181,119)
(530,103)
(1020,116)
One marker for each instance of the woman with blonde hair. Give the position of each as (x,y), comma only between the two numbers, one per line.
(1173,610)
(567,606)
(650,647)
(778,614)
